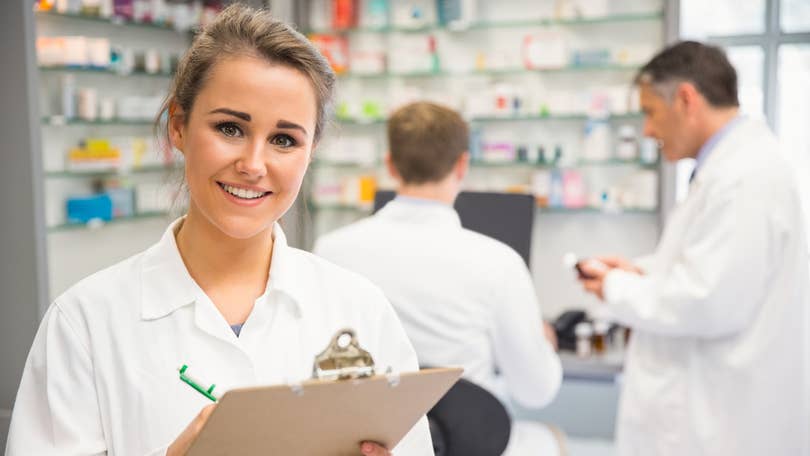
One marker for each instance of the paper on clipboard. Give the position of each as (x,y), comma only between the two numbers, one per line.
(321,418)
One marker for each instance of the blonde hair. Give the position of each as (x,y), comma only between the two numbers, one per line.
(241,30)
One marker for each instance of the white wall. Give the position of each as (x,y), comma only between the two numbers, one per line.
(630,235)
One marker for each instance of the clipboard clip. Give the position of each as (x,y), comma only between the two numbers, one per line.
(343,359)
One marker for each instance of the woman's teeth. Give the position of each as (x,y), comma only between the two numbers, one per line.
(241,192)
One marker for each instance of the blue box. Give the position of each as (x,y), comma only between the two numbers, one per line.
(82,209)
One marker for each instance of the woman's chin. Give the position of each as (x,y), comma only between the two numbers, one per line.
(244,227)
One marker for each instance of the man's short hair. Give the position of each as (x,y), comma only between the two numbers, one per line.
(706,67)
(426,140)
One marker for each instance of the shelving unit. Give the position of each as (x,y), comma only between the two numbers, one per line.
(484,58)
(124,235)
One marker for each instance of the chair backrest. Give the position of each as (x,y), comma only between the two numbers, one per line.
(469,421)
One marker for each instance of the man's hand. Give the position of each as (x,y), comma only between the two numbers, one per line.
(594,273)
(551,335)
(620,263)
(373,449)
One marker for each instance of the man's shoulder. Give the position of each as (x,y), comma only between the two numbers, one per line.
(350,234)
(487,246)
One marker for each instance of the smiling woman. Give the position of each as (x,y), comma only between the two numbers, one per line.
(221,291)
(247,140)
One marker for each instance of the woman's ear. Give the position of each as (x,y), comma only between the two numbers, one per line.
(177,124)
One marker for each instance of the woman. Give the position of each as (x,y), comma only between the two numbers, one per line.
(221,291)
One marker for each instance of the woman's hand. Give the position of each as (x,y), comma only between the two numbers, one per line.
(373,449)
(183,442)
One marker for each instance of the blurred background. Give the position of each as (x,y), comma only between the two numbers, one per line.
(545,84)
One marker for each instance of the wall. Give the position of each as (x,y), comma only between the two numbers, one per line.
(22,271)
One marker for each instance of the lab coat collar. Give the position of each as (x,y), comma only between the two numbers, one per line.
(165,282)
(724,151)
(406,210)
(167,285)
(286,273)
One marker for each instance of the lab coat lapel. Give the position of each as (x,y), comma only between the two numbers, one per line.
(165,282)
(208,319)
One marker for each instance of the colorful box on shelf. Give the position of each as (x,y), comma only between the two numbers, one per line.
(568,189)
(115,153)
(355,191)
(94,154)
(73,51)
(82,209)
(181,16)
(335,49)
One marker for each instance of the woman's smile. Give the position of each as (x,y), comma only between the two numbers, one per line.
(244,195)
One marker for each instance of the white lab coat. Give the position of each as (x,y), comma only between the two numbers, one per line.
(718,360)
(102,377)
(465,299)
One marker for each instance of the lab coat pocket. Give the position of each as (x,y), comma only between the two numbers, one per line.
(159,412)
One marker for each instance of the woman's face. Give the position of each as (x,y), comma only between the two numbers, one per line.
(247,143)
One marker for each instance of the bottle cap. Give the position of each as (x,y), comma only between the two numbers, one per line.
(583,329)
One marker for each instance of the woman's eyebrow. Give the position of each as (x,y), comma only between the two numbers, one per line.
(287,124)
(242,115)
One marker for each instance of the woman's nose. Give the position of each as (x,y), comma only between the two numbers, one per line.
(252,163)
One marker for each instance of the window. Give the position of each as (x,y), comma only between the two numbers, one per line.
(701,19)
(794,114)
(768,42)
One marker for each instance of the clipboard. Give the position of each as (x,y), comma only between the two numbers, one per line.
(327,416)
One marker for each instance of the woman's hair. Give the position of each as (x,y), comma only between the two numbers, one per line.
(241,30)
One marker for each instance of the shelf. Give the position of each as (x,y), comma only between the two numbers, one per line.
(519,118)
(315,207)
(346,165)
(556,117)
(116,221)
(596,368)
(99,70)
(347,121)
(540,210)
(152,169)
(594,210)
(579,164)
(58,121)
(610,19)
(117,21)
(494,72)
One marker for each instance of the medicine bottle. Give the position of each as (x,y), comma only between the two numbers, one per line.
(584,333)
(600,336)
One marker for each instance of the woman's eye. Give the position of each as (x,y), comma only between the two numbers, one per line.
(283,141)
(230,130)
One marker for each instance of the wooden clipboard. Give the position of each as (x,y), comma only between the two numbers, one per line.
(321,418)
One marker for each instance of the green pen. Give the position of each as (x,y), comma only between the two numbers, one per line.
(196,384)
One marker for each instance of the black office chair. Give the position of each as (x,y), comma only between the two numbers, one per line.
(469,421)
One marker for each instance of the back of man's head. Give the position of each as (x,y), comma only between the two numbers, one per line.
(706,67)
(426,140)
